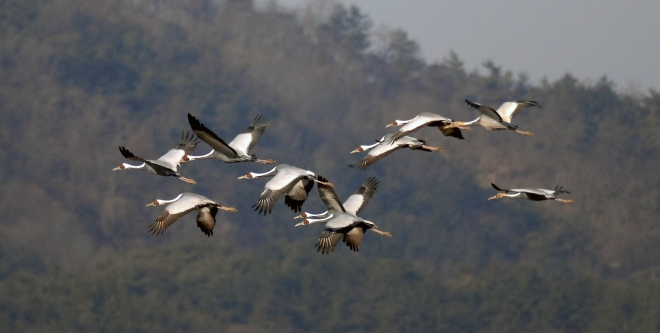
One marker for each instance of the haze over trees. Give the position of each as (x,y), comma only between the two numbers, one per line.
(80,79)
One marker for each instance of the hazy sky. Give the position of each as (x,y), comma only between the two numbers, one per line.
(588,38)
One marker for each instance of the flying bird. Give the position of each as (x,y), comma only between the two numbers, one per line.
(165,165)
(501,119)
(340,224)
(427,119)
(184,204)
(353,205)
(383,147)
(237,150)
(531,194)
(291,182)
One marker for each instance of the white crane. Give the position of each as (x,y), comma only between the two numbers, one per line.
(340,224)
(499,119)
(353,205)
(184,204)
(294,183)
(427,119)
(532,194)
(165,165)
(383,147)
(237,150)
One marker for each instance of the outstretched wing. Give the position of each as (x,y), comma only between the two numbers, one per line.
(328,241)
(245,141)
(329,197)
(127,154)
(188,143)
(165,220)
(452,132)
(500,189)
(377,153)
(267,200)
(297,195)
(206,218)
(209,137)
(485,110)
(354,237)
(356,202)
(508,110)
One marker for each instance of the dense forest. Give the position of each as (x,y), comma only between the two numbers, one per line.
(80,78)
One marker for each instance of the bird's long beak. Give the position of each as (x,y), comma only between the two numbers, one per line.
(389,125)
(304,222)
(150,204)
(356,151)
(243,177)
(493,197)
(117,168)
(298,217)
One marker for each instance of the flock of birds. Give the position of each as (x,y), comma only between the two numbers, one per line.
(342,222)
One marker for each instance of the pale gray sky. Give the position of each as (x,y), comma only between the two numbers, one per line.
(587,38)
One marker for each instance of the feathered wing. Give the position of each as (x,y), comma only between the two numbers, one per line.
(165,220)
(485,110)
(209,137)
(329,197)
(328,241)
(185,147)
(354,237)
(559,190)
(188,143)
(257,128)
(297,195)
(377,153)
(452,132)
(206,218)
(535,196)
(267,200)
(356,202)
(245,141)
(508,110)
(127,154)
(500,189)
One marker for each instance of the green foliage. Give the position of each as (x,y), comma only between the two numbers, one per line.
(81,78)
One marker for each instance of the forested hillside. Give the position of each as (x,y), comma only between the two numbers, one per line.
(80,78)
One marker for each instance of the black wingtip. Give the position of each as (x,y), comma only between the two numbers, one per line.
(495,187)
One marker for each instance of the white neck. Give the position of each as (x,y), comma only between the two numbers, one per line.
(201,157)
(266,174)
(324,219)
(128,166)
(367,147)
(403,122)
(314,215)
(162,202)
